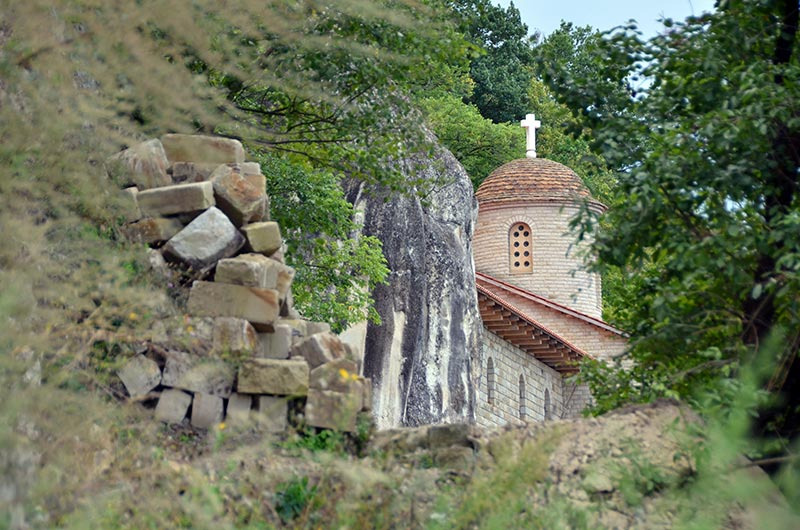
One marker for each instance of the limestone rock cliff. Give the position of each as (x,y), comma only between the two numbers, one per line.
(422,358)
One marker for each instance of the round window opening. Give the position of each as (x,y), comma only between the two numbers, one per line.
(516,263)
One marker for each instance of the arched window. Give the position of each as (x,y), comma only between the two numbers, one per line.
(520,248)
(523,409)
(490,381)
(548,413)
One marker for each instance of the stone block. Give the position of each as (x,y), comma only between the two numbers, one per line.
(238,411)
(284,276)
(190,334)
(256,270)
(198,374)
(258,306)
(206,240)
(234,336)
(129,206)
(339,375)
(176,199)
(242,202)
(317,327)
(144,165)
(202,149)
(183,172)
(151,230)
(333,410)
(273,413)
(264,238)
(319,349)
(274,376)
(251,270)
(275,345)
(172,406)
(298,325)
(250,169)
(351,352)
(207,411)
(140,375)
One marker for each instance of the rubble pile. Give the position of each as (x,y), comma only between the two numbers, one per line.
(196,203)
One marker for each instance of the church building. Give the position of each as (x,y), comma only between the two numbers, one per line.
(541,308)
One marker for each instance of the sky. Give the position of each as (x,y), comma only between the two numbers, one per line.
(545,16)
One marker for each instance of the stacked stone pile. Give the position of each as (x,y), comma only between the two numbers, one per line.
(198,204)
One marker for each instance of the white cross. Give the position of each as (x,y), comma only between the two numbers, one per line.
(530,123)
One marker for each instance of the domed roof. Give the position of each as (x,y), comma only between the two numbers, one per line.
(532,179)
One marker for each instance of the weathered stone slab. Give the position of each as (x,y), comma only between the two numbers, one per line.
(274,376)
(353,353)
(202,149)
(333,410)
(190,334)
(317,327)
(256,270)
(275,345)
(207,411)
(234,336)
(129,207)
(140,375)
(246,269)
(198,374)
(207,239)
(319,349)
(242,202)
(238,411)
(183,172)
(249,169)
(144,165)
(258,306)
(151,230)
(175,199)
(284,276)
(264,237)
(172,406)
(298,325)
(273,413)
(340,375)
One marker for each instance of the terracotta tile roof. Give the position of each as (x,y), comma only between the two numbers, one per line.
(500,288)
(534,179)
(509,323)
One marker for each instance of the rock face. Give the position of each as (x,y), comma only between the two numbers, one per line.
(423,358)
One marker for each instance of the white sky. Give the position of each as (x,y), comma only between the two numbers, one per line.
(545,16)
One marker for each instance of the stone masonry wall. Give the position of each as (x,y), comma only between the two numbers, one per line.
(558,270)
(509,363)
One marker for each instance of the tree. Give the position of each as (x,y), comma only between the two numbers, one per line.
(502,73)
(336,272)
(479,144)
(572,58)
(710,207)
